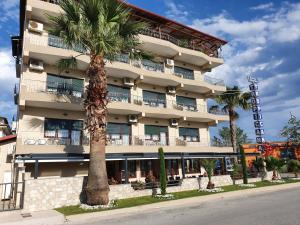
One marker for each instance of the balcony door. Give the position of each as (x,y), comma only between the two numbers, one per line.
(156,135)
(65,85)
(188,104)
(119,134)
(64,132)
(154,99)
(189,134)
(118,94)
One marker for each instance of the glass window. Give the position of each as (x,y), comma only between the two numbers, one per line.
(189,134)
(192,166)
(172,167)
(156,135)
(154,99)
(65,85)
(67,131)
(118,94)
(145,167)
(185,73)
(118,134)
(131,169)
(187,103)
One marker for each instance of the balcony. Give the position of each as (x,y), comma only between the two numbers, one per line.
(184,73)
(57,42)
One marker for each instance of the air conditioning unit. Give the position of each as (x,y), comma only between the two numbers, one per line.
(128,82)
(132,118)
(174,122)
(35,26)
(36,65)
(169,62)
(171,90)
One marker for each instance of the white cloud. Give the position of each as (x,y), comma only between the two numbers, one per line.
(257,46)
(267,6)
(176,11)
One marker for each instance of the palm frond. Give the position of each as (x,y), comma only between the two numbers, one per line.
(67,63)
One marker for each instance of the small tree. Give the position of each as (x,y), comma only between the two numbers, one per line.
(274,165)
(258,164)
(291,131)
(294,166)
(209,165)
(235,172)
(162,175)
(244,165)
(224,137)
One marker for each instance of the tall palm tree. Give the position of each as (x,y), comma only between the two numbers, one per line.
(230,100)
(104,29)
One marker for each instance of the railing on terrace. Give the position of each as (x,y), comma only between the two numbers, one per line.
(39,139)
(124,58)
(214,81)
(57,88)
(179,42)
(59,43)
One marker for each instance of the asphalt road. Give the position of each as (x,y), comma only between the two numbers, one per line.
(273,208)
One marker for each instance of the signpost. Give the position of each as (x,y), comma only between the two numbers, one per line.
(257,116)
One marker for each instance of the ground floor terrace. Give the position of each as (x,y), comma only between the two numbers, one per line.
(125,168)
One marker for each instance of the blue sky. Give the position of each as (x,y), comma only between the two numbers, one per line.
(264,40)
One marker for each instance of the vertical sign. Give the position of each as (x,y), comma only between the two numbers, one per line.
(257,116)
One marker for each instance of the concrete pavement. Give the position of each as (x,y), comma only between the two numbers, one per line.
(19,217)
(273,205)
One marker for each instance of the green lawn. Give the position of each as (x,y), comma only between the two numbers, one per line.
(131,202)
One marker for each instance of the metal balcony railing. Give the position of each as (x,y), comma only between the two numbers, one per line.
(184,73)
(57,88)
(214,81)
(59,43)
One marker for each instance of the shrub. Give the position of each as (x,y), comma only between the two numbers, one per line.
(244,165)
(274,164)
(162,175)
(294,167)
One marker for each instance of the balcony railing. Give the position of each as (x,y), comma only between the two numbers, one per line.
(152,66)
(59,43)
(184,43)
(57,88)
(214,81)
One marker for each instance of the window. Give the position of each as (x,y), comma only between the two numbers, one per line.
(65,85)
(192,166)
(66,131)
(118,133)
(156,135)
(118,94)
(189,104)
(172,167)
(145,167)
(185,73)
(154,99)
(131,169)
(189,134)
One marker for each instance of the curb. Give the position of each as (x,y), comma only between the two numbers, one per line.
(192,201)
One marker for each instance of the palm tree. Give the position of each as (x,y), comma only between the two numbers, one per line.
(104,29)
(230,100)
(275,165)
(209,166)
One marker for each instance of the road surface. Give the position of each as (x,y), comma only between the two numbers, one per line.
(272,208)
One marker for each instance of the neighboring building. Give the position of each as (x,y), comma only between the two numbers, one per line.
(4,127)
(153,103)
(281,150)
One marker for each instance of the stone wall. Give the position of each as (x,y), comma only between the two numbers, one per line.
(49,193)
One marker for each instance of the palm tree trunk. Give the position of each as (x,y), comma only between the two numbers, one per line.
(232,125)
(97,188)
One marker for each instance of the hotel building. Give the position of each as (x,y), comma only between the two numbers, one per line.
(154,102)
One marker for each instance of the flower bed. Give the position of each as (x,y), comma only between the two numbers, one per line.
(247,185)
(277,181)
(215,190)
(165,197)
(110,205)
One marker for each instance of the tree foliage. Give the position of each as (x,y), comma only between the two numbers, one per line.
(162,172)
(224,137)
(294,166)
(244,165)
(274,164)
(291,131)
(229,101)
(209,166)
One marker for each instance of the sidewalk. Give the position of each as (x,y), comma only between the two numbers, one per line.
(82,218)
(17,217)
